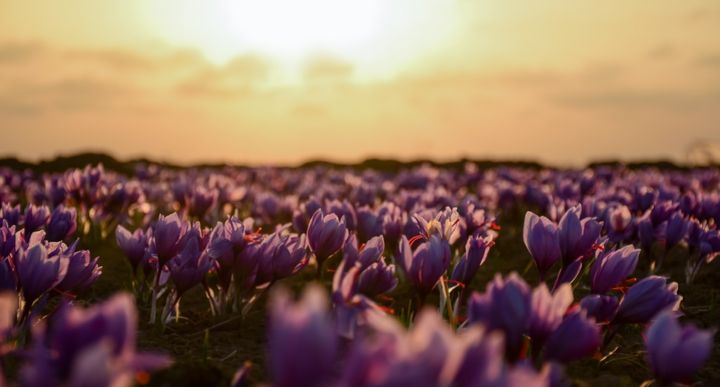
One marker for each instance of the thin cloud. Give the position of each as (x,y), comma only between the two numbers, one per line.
(327,68)
(309,110)
(116,58)
(237,78)
(20,52)
(711,60)
(629,99)
(662,51)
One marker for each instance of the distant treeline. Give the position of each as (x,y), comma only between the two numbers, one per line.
(63,163)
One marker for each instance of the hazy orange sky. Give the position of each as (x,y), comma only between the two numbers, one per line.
(266,81)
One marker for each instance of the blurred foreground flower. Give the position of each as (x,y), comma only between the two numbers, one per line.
(88,347)
(675,352)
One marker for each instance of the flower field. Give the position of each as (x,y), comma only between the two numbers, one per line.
(422,275)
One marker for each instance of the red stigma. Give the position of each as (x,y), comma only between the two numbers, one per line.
(525,348)
(456,282)
(625,285)
(572,308)
(415,239)
(142,377)
(387,309)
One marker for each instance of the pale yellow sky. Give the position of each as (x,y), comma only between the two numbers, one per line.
(563,82)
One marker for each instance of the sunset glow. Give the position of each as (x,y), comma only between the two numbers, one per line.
(377,36)
(284,80)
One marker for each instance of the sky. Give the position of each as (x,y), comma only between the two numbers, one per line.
(282,81)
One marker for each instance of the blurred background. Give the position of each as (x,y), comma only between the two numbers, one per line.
(270,81)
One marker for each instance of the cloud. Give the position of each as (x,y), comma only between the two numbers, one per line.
(119,59)
(627,98)
(20,52)
(239,77)
(704,15)
(327,69)
(711,60)
(662,51)
(10,106)
(309,110)
(71,94)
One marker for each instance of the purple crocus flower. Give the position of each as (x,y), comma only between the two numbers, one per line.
(504,306)
(55,191)
(246,266)
(304,325)
(348,305)
(326,235)
(675,352)
(290,257)
(646,233)
(675,230)
(366,255)
(445,224)
(482,362)
(476,252)
(35,218)
(662,211)
(90,347)
(369,224)
(10,214)
(280,257)
(167,236)
(62,224)
(576,337)
(611,268)
(374,275)
(646,298)
(427,355)
(8,277)
(225,245)
(133,245)
(376,279)
(547,311)
(82,272)
(343,210)
(303,214)
(541,238)
(601,308)
(7,239)
(475,219)
(577,236)
(426,264)
(189,267)
(38,272)
(619,222)
(201,200)
(393,221)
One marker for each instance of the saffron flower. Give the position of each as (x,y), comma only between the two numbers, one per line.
(426,264)
(675,352)
(646,299)
(611,268)
(326,235)
(542,240)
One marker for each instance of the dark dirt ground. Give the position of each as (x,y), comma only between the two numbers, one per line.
(208,350)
